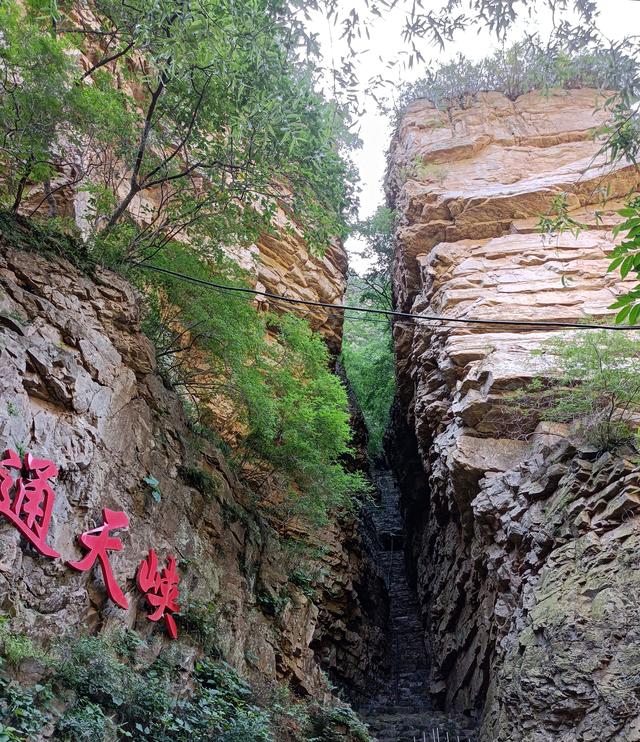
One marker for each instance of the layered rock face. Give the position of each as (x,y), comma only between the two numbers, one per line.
(523,544)
(79,387)
(285,266)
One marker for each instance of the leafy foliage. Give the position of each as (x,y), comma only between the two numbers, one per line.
(39,106)
(218,123)
(22,710)
(368,344)
(625,257)
(525,66)
(369,363)
(109,690)
(377,232)
(328,724)
(595,386)
(293,410)
(558,219)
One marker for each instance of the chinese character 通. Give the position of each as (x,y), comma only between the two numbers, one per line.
(28,501)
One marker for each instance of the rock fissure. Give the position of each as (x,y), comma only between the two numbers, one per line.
(402,708)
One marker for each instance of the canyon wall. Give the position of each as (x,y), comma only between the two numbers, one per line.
(524,543)
(79,386)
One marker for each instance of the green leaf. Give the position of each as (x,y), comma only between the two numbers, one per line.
(622,314)
(634,314)
(627,265)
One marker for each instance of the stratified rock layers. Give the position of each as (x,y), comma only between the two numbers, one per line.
(525,547)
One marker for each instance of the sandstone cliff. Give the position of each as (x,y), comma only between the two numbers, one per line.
(525,547)
(79,386)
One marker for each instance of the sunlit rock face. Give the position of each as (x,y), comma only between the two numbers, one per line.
(284,265)
(524,544)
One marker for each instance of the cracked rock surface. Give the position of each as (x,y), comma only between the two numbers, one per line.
(524,543)
(78,386)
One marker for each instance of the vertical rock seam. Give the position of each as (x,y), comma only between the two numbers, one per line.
(401,709)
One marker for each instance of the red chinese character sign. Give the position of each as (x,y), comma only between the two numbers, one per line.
(27,501)
(99,542)
(160,589)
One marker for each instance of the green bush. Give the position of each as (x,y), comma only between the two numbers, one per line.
(144,701)
(85,722)
(525,66)
(23,711)
(200,621)
(293,408)
(367,351)
(14,648)
(369,363)
(593,386)
(200,480)
(109,690)
(334,723)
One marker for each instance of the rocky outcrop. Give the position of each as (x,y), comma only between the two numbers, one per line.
(284,265)
(79,386)
(520,542)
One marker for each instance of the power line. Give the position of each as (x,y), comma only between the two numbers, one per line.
(387,312)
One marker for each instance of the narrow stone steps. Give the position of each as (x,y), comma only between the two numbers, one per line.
(427,726)
(402,710)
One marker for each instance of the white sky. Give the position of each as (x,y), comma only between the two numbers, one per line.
(617,19)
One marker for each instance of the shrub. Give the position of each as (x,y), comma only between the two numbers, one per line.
(200,621)
(142,700)
(594,386)
(293,410)
(111,691)
(333,723)
(199,480)
(85,722)
(23,711)
(369,361)
(14,648)
(525,66)
(301,578)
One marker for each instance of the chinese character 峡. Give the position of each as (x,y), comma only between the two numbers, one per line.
(160,589)
(28,501)
(99,542)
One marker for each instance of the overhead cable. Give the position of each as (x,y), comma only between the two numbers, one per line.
(388,312)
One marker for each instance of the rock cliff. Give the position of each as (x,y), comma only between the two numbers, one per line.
(79,386)
(523,544)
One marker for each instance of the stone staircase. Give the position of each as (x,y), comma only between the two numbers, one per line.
(402,709)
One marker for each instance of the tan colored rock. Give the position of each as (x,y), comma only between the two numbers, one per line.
(506,500)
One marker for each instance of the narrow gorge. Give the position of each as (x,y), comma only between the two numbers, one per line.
(212,526)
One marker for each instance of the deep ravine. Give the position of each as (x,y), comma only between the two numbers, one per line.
(401,709)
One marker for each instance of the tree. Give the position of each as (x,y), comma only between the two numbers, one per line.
(44,118)
(214,127)
(289,414)
(368,342)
